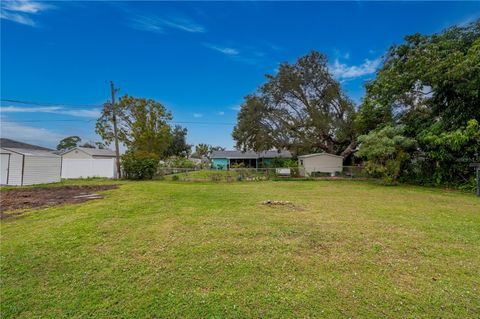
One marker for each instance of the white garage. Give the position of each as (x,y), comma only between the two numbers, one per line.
(28,166)
(81,162)
(320,162)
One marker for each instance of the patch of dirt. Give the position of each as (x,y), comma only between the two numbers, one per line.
(23,198)
(281,203)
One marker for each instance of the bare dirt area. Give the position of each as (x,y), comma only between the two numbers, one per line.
(23,198)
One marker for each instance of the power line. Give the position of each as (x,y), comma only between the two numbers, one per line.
(51,104)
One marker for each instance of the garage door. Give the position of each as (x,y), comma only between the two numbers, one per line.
(4,162)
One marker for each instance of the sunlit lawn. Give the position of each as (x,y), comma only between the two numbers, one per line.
(212,250)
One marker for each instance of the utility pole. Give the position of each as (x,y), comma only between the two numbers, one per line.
(114,120)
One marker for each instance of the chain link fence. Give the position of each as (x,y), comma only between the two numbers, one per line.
(259,174)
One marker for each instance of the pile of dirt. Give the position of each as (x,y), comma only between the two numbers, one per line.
(22,198)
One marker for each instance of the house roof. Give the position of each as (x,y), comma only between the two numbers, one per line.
(31,152)
(94,151)
(320,154)
(250,154)
(8,143)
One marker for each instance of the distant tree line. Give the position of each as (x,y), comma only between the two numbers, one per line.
(418,122)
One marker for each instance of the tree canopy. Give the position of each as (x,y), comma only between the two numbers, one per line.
(430,86)
(427,80)
(142,125)
(68,143)
(301,108)
(179,145)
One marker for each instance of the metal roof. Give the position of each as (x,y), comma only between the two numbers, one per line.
(94,151)
(31,152)
(8,143)
(250,154)
(319,154)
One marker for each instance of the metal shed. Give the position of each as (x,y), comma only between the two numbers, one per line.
(28,165)
(320,162)
(81,162)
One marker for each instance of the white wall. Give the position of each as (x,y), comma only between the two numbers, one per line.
(80,168)
(14,167)
(321,163)
(41,169)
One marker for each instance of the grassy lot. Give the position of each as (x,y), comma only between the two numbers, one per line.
(211,250)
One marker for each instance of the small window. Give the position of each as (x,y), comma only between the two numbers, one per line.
(301,162)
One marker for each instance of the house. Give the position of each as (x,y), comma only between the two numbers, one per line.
(27,164)
(227,159)
(320,162)
(81,162)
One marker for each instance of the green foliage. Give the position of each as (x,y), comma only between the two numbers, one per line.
(450,153)
(142,125)
(427,80)
(431,86)
(139,165)
(178,145)
(237,165)
(68,143)
(301,108)
(202,150)
(283,162)
(385,150)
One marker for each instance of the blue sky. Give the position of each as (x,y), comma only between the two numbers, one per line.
(198,58)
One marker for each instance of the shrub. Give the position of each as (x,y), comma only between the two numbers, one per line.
(280,162)
(237,165)
(139,165)
(385,150)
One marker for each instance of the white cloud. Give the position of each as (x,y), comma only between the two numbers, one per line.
(184,25)
(29,134)
(197,115)
(235,108)
(147,24)
(159,25)
(221,49)
(25,6)
(21,11)
(221,113)
(15,17)
(343,71)
(91,113)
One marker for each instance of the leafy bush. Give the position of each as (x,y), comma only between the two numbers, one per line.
(279,162)
(385,150)
(139,165)
(448,154)
(237,165)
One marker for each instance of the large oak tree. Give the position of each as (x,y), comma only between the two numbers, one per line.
(301,108)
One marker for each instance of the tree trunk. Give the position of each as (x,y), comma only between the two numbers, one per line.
(351,148)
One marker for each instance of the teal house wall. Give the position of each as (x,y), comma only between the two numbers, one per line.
(220,163)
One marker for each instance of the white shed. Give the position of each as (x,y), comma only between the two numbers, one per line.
(81,162)
(24,166)
(320,162)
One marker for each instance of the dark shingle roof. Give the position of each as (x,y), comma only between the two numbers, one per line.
(250,154)
(8,143)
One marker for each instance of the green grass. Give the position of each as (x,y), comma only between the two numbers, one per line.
(162,249)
